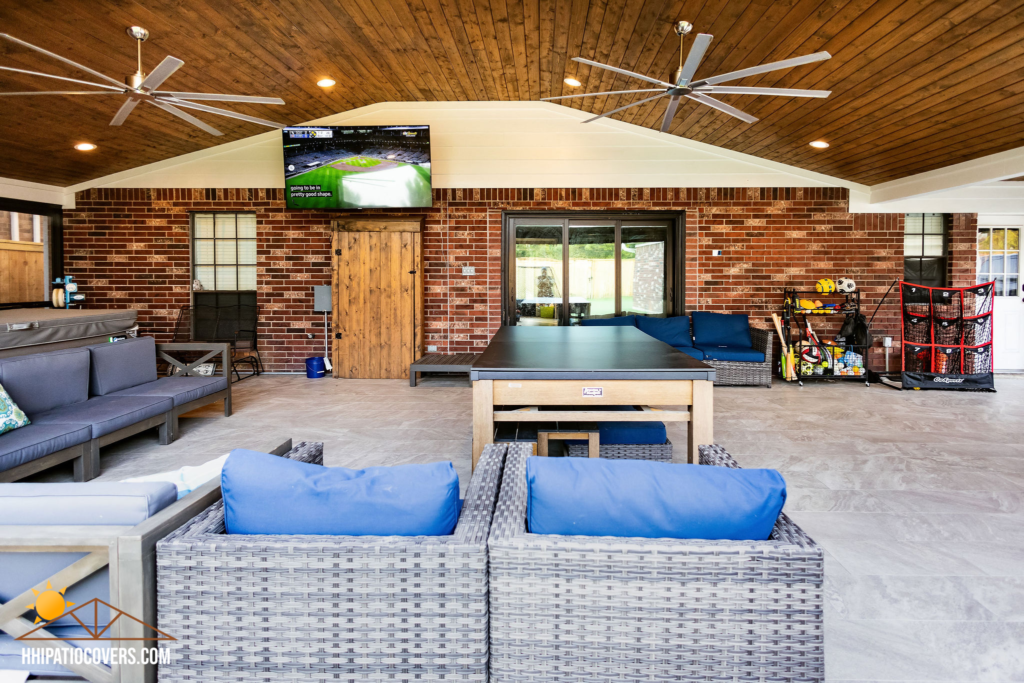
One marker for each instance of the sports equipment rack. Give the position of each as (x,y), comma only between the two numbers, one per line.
(947,336)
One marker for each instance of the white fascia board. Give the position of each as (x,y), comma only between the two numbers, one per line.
(33,192)
(1000,166)
(1001,198)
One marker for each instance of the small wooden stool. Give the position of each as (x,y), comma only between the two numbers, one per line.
(591,435)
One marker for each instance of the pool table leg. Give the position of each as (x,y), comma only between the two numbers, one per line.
(483,416)
(701,431)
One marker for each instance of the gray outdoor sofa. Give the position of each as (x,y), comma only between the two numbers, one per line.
(98,540)
(583,608)
(329,608)
(81,399)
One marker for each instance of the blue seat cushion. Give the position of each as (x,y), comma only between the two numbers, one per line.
(265,494)
(743,354)
(639,498)
(621,321)
(673,331)
(44,381)
(691,351)
(181,390)
(33,441)
(119,365)
(615,433)
(107,414)
(716,329)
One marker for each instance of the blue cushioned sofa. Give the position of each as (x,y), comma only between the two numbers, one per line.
(81,399)
(740,354)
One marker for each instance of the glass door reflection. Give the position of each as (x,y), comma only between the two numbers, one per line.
(643,250)
(539,269)
(592,281)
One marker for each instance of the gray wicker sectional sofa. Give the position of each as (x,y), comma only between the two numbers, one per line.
(579,608)
(330,608)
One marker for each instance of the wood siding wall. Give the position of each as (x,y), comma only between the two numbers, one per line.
(21,271)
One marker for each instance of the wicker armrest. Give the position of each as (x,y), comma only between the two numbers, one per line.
(762,341)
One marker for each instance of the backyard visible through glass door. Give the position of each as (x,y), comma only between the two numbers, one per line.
(591,271)
(538,279)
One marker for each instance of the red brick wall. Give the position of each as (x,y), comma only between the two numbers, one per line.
(130,247)
(963,250)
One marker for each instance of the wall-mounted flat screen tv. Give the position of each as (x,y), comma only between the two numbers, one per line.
(357,167)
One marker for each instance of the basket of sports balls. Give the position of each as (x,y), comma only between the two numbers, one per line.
(809,353)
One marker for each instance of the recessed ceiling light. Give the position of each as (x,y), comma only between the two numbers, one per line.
(325,82)
(819,144)
(85,146)
(573,82)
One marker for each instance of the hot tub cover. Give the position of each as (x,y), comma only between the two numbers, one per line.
(43,327)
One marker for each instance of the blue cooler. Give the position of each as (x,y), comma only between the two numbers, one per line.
(315,367)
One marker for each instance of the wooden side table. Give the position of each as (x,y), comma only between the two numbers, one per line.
(591,435)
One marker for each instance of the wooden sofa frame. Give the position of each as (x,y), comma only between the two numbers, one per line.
(130,554)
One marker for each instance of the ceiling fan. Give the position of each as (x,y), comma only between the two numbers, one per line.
(142,87)
(683,85)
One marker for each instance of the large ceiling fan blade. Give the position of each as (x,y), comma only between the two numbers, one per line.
(161,73)
(722,107)
(765,68)
(185,115)
(60,92)
(63,78)
(742,90)
(62,59)
(631,74)
(225,112)
(694,58)
(214,97)
(634,104)
(670,112)
(595,94)
(123,112)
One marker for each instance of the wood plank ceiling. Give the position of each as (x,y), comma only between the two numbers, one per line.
(917,84)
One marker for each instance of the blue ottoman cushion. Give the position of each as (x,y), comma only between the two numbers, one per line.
(122,364)
(640,498)
(621,321)
(734,353)
(717,329)
(673,331)
(265,494)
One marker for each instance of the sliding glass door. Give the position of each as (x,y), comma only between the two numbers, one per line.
(561,270)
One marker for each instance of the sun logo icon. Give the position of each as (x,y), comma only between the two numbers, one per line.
(50,603)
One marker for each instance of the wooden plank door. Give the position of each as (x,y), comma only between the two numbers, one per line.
(378,298)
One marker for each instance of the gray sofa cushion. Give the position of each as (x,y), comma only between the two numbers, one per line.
(32,442)
(44,381)
(122,364)
(181,389)
(85,503)
(106,414)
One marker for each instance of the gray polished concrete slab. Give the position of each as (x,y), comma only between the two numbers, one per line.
(917,497)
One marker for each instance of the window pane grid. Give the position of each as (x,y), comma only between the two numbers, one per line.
(924,248)
(999,259)
(224,251)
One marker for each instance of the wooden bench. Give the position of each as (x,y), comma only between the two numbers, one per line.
(438,362)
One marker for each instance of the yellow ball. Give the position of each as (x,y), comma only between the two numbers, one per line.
(825,286)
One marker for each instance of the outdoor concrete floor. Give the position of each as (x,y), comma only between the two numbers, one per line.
(916,497)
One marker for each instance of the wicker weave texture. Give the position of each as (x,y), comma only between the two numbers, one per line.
(735,373)
(330,608)
(613,451)
(577,608)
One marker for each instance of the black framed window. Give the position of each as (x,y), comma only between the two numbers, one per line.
(224,252)
(924,248)
(560,269)
(31,252)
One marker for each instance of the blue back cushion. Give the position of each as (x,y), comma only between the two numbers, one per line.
(639,498)
(673,331)
(265,494)
(714,329)
(44,381)
(632,432)
(621,321)
(122,365)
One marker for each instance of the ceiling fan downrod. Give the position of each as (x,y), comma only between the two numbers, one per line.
(140,35)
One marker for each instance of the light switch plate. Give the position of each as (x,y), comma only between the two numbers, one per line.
(716,252)
(431,349)
(469,270)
